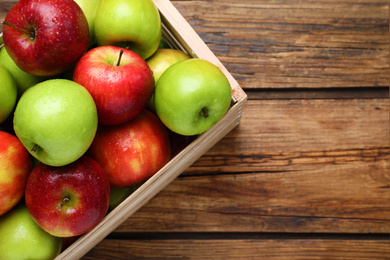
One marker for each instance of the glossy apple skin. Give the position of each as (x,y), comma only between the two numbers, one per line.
(133,151)
(89,9)
(8,94)
(61,35)
(22,238)
(135,24)
(56,120)
(159,62)
(120,92)
(191,96)
(22,79)
(164,58)
(69,200)
(15,167)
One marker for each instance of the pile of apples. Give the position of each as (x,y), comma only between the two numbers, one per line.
(92,103)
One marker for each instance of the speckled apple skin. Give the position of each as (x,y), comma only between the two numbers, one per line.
(61,35)
(132,152)
(15,166)
(69,200)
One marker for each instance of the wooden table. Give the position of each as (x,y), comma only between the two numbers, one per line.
(306,173)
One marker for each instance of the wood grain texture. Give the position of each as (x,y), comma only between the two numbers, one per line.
(324,199)
(242,249)
(296,44)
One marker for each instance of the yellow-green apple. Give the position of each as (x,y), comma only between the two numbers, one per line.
(69,200)
(160,61)
(8,94)
(21,238)
(133,24)
(191,96)
(133,151)
(56,120)
(22,79)
(119,80)
(164,58)
(15,166)
(89,9)
(45,37)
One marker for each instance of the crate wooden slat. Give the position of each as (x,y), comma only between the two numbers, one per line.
(180,34)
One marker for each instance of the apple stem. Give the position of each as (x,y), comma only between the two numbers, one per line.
(120,57)
(34,149)
(63,202)
(204,112)
(31,33)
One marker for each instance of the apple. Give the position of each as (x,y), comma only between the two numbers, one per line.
(120,194)
(121,91)
(134,24)
(8,94)
(89,9)
(45,37)
(56,120)
(22,79)
(133,151)
(160,61)
(70,200)
(164,58)
(164,44)
(15,166)
(22,238)
(191,96)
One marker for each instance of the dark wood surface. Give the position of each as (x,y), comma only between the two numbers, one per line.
(306,173)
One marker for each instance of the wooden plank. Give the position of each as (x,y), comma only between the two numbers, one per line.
(297,126)
(350,198)
(242,249)
(296,44)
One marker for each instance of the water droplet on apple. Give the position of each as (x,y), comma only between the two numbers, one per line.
(55,20)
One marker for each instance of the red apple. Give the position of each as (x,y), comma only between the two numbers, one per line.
(45,37)
(15,166)
(133,151)
(119,80)
(69,200)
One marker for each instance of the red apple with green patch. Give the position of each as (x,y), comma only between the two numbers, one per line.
(69,200)
(45,37)
(119,80)
(15,167)
(133,151)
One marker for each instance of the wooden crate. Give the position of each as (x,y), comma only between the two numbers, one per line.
(180,35)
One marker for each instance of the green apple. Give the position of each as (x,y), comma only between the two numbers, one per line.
(21,238)
(191,96)
(133,24)
(8,94)
(159,62)
(164,44)
(56,120)
(120,194)
(164,58)
(89,9)
(22,79)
